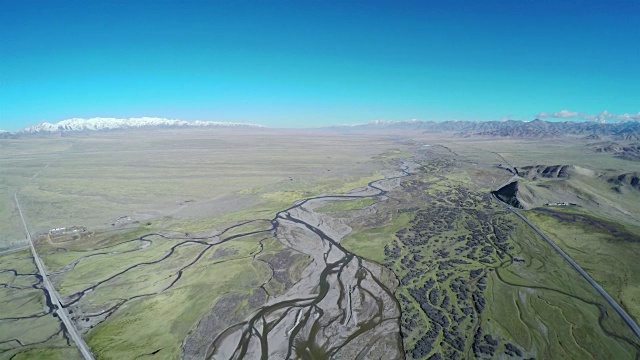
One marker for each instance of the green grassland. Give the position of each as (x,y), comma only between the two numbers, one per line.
(58,257)
(557,311)
(371,243)
(236,272)
(187,174)
(324,185)
(395,154)
(18,296)
(49,353)
(347,205)
(98,268)
(155,310)
(19,162)
(27,331)
(522,152)
(270,200)
(607,251)
(19,261)
(601,234)
(534,300)
(168,316)
(602,241)
(470,273)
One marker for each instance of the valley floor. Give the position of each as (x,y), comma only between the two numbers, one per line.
(385,248)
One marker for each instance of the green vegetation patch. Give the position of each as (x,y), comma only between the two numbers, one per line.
(20,261)
(607,251)
(272,200)
(371,243)
(395,154)
(98,268)
(21,301)
(476,282)
(144,279)
(160,323)
(57,258)
(59,352)
(346,205)
(27,331)
(543,304)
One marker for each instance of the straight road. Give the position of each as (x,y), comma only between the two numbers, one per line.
(626,317)
(55,298)
(62,313)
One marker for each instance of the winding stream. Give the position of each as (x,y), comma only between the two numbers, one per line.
(340,308)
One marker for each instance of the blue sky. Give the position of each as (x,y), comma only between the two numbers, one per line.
(315,63)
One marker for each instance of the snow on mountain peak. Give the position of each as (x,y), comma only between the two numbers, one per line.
(100,123)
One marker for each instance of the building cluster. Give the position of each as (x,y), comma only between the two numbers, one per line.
(561,204)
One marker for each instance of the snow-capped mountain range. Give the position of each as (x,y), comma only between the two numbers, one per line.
(100,123)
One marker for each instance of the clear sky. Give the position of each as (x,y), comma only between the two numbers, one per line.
(314,63)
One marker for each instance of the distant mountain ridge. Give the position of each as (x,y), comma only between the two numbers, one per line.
(629,130)
(510,128)
(99,123)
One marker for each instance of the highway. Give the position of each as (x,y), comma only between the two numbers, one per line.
(626,317)
(62,313)
(55,298)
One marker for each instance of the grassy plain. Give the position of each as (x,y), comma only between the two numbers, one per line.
(535,302)
(607,251)
(439,233)
(522,152)
(184,185)
(556,309)
(602,234)
(19,161)
(346,205)
(182,174)
(25,316)
(169,316)
(371,243)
